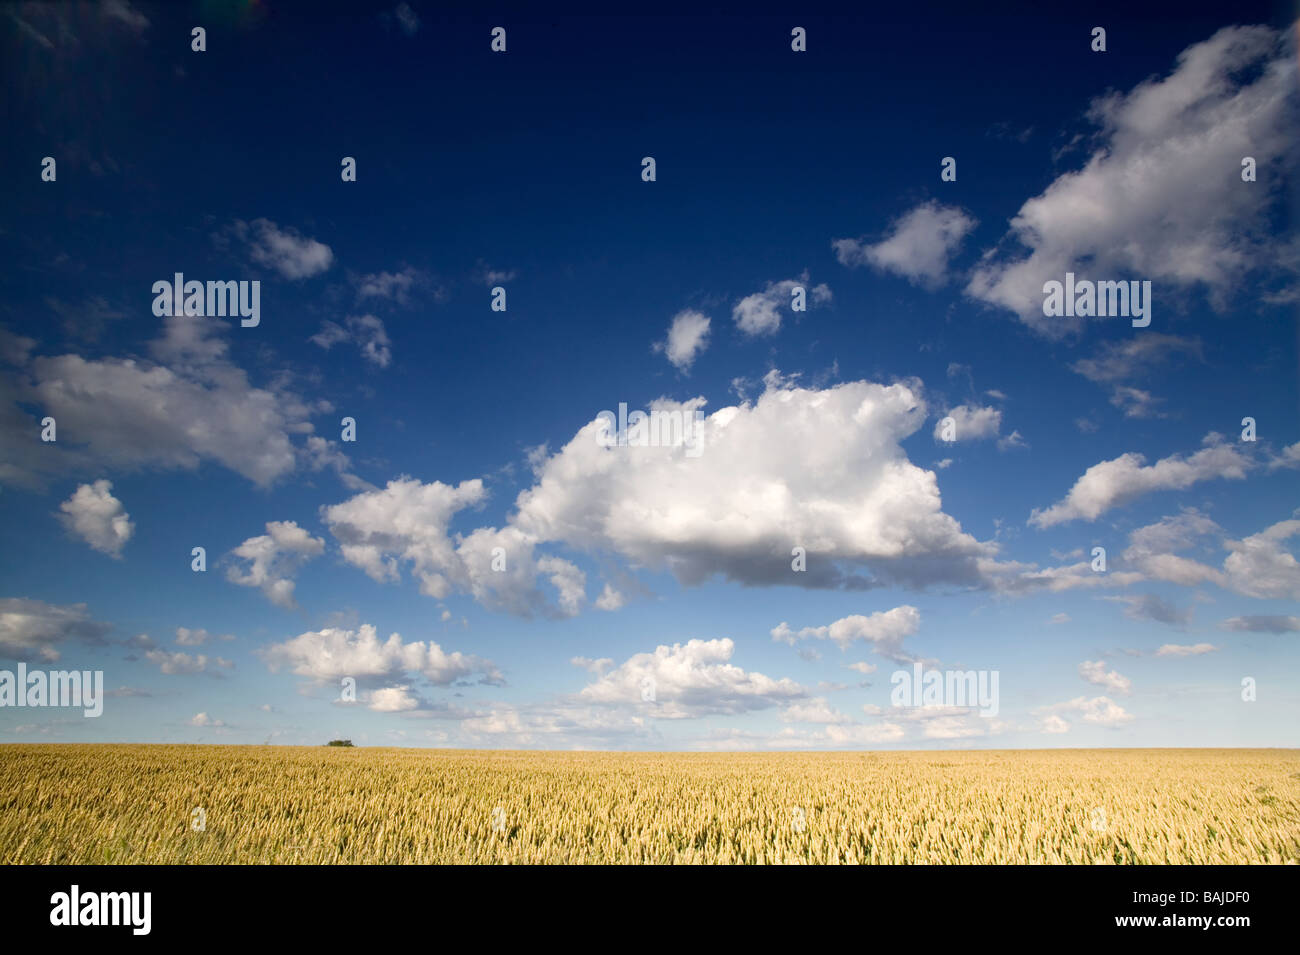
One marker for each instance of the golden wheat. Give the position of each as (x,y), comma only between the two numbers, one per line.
(136,804)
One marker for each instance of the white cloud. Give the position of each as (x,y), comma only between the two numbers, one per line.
(691,680)
(884,630)
(1094,671)
(970,423)
(760,313)
(1058,618)
(611,599)
(918,246)
(286,251)
(390,286)
(820,469)
(272,559)
(866,669)
(98,518)
(32,629)
(383,669)
(365,331)
(688,336)
(1100,710)
(1120,480)
(1178,650)
(189,406)
(1160,198)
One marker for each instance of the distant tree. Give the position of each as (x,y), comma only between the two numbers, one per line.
(340,742)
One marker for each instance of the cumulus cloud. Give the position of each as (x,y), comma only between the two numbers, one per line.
(33,629)
(691,680)
(884,630)
(918,246)
(688,336)
(271,559)
(1159,198)
(819,469)
(286,251)
(1094,671)
(196,638)
(760,313)
(365,331)
(383,669)
(98,518)
(970,423)
(202,719)
(1120,480)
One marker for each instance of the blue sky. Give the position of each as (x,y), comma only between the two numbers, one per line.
(650,566)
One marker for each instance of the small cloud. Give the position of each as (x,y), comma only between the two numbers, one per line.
(687,337)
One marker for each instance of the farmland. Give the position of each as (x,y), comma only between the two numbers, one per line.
(334,805)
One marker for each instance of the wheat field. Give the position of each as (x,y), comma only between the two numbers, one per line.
(286,805)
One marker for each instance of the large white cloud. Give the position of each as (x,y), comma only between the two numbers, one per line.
(98,518)
(820,469)
(1161,197)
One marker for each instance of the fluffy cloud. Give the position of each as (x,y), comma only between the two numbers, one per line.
(918,246)
(326,656)
(32,629)
(1120,480)
(272,558)
(286,251)
(760,313)
(1160,198)
(1256,566)
(364,331)
(98,518)
(819,469)
(189,405)
(690,680)
(688,335)
(970,423)
(884,630)
(1100,710)
(178,663)
(1094,671)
